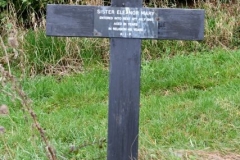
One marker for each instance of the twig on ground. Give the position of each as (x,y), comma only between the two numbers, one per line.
(26,103)
(6,54)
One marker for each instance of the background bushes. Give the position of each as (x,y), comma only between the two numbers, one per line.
(26,10)
(32,52)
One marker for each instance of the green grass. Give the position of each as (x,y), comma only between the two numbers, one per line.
(188,102)
(193,102)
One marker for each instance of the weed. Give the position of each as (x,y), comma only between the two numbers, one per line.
(6,77)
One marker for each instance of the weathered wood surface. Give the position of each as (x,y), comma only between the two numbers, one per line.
(78,21)
(124,94)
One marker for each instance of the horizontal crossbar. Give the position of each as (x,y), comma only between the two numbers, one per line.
(78,21)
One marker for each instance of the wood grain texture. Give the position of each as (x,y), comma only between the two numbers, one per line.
(78,21)
(124,94)
(70,20)
(181,24)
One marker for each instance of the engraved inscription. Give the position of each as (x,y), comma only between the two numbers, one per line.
(126,22)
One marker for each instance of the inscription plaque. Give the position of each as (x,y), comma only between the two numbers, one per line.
(125,22)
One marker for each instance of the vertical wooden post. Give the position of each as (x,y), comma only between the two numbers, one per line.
(124,93)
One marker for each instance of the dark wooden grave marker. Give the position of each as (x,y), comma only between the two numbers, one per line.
(126,23)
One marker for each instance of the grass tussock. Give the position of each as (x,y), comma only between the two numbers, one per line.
(222,25)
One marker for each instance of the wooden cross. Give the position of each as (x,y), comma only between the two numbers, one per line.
(125,23)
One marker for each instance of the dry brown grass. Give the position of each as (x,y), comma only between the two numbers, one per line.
(222,29)
(221,24)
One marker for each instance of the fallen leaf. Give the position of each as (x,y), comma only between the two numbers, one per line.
(4,110)
(2,129)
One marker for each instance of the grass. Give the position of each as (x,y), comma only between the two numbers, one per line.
(190,107)
(40,54)
(189,91)
(197,107)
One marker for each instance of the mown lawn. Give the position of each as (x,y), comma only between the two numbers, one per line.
(190,108)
